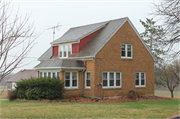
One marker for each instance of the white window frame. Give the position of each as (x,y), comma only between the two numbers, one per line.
(71,87)
(64,45)
(47,71)
(126,51)
(86,79)
(108,79)
(140,79)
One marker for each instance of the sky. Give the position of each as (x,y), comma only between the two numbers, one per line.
(46,14)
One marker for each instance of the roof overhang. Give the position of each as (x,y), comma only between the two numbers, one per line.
(59,68)
(63,42)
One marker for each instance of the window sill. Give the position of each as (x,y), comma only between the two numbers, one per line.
(140,87)
(126,58)
(71,88)
(87,88)
(111,88)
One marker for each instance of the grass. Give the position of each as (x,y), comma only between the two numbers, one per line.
(142,109)
(166,93)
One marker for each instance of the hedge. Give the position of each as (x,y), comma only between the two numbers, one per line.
(39,88)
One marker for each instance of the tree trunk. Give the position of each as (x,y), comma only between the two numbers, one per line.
(172,96)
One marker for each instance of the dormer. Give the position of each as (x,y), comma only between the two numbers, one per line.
(75,39)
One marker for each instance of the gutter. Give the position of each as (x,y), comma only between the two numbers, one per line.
(82,81)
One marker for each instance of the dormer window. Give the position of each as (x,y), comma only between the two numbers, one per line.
(64,50)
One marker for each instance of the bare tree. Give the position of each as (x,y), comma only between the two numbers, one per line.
(17,38)
(169,13)
(168,75)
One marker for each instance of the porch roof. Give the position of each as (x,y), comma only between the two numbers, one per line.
(60,64)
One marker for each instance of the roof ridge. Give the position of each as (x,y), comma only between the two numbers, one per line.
(99,22)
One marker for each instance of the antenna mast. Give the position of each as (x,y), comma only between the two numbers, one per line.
(54,27)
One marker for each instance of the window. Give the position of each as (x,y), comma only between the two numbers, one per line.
(67,79)
(88,79)
(71,80)
(64,50)
(54,75)
(40,74)
(58,75)
(111,79)
(45,74)
(51,74)
(105,79)
(126,51)
(140,79)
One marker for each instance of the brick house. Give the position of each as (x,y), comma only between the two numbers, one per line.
(100,60)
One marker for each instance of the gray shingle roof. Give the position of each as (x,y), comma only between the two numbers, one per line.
(77,33)
(46,55)
(23,74)
(71,64)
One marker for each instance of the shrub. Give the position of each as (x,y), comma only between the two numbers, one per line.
(39,88)
(131,94)
(11,95)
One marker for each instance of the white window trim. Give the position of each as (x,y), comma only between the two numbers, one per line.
(126,51)
(49,71)
(108,84)
(140,79)
(61,45)
(71,80)
(86,79)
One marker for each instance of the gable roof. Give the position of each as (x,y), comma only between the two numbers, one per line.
(23,74)
(109,28)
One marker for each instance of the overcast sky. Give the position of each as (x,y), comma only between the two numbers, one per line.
(46,14)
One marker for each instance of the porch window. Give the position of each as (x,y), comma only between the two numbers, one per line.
(140,79)
(51,74)
(71,80)
(54,75)
(58,75)
(88,79)
(126,51)
(111,79)
(45,74)
(41,74)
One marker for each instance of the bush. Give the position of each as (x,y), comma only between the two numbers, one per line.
(39,88)
(11,95)
(131,94)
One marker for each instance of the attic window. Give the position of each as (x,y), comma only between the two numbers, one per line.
(126,51)
(65,50)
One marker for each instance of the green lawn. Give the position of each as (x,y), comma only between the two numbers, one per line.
(142,109)
(166,93)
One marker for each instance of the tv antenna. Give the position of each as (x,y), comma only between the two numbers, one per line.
(54,28)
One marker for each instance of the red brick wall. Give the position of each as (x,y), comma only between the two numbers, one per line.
(55,50)
(77,47)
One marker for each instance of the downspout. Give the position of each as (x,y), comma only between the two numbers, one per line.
(83,80)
